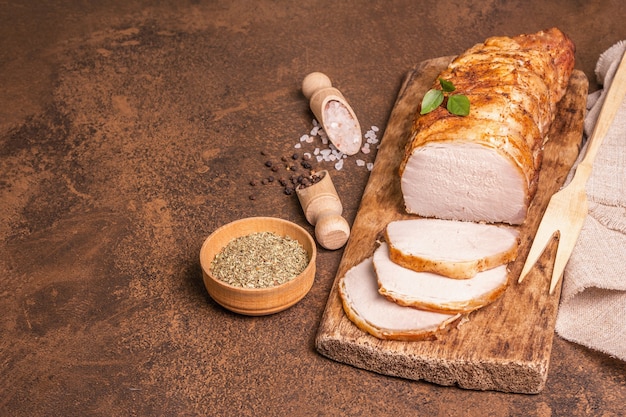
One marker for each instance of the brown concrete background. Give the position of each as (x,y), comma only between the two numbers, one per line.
(129,130)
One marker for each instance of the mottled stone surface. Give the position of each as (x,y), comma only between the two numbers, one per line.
(129,131)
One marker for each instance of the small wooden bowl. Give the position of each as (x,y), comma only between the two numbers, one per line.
(257,301)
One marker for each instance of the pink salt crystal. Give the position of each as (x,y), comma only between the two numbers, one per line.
(341,127)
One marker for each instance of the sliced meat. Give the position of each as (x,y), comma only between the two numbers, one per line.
(384,319)
(484,167)
(428,291)
(454,249)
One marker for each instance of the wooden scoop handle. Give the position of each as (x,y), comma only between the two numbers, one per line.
(322,208)
(313,82)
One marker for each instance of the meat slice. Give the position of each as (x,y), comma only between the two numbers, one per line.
(454,249)
(433,292)
(384,319)
(484,167)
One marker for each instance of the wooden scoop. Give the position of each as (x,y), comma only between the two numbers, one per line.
(322,208)
(326,102)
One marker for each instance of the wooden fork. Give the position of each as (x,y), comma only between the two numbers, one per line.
(568,207)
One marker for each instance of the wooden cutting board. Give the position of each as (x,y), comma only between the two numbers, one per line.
(505,346)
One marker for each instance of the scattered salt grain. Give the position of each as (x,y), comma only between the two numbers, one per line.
(371,139)
(326,151)
(370,136)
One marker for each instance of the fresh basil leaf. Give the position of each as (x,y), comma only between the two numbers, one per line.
(446,85)
(432,99)
(458,104)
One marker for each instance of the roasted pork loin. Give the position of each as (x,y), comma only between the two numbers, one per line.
(433,292)
(451,248)
(384,319)
(484,167)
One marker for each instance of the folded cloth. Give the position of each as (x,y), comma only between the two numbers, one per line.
(592,310)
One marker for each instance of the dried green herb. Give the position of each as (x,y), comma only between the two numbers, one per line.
(260,260)
(457,104)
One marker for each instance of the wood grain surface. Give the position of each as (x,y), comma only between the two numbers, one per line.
(505,346)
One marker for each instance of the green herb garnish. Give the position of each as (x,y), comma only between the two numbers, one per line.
(457,104)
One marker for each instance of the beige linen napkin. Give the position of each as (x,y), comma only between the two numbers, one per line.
(592,311)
